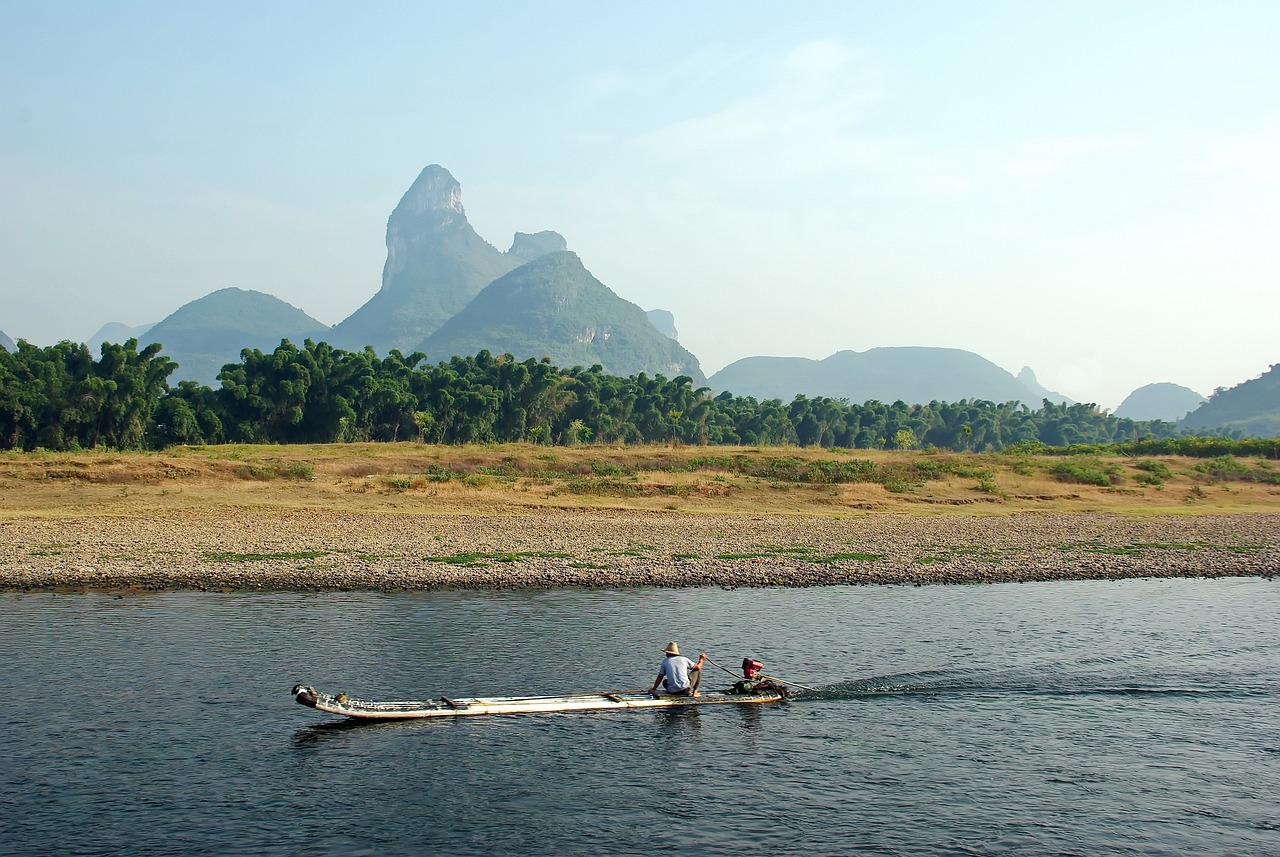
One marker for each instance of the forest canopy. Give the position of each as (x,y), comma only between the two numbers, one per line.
(61,398)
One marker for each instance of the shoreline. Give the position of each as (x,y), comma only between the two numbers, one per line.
(242,550)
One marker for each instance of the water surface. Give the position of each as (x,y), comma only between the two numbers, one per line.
(1133,717)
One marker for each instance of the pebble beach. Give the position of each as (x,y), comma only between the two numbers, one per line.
(237,550)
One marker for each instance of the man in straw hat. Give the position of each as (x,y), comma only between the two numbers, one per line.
(678,675)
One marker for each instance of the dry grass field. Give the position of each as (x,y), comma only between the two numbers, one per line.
(407,516)
(521,479)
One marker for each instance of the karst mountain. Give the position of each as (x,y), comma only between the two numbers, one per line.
(204,335)
(1162,401)
(553,307)
(436,263)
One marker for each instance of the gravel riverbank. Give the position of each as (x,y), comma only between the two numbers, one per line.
(231,550)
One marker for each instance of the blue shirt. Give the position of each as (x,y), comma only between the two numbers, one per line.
(675,672)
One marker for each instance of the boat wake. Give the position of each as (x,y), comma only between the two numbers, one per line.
(1043,683)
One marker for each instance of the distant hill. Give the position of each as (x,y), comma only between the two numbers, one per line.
(6,343)
(1252,407)
(554,307)
(1028,379)
(915,375)
(1163,401)
(436,263)
(665,322)
(208,333)
(114,331)
(526,247)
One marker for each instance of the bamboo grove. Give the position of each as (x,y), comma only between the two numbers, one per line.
(61,398)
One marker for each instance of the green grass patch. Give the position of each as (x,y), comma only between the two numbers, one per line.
(474,558)
(602,486)
(792,549)
(1141,548)
(266,471)
(840,557)
(222,556)
(943,553)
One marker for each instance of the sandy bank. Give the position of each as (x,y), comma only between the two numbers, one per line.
(328,550)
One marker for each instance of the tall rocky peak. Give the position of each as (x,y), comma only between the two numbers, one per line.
(436,263)
(435,191)
(1038,391)
(526,247)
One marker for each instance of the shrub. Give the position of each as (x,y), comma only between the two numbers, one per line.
(1082,471)
(1150,480)
(1157,469)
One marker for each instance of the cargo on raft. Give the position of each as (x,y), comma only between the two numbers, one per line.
(364,709)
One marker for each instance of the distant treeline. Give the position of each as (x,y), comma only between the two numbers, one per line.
(61,398)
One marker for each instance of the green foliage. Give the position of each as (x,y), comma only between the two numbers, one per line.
(266,471)
(1228,468)
(1157,469)
(1085,471)
(1252,407)
(60,398)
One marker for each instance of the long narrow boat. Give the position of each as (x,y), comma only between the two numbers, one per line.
(365,709)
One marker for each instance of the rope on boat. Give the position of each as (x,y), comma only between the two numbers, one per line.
(769,677)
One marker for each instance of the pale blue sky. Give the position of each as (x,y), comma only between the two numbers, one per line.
(1091,189)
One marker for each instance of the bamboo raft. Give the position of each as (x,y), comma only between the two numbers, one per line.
(364,709)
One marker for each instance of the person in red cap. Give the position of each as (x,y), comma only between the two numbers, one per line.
(755,681)
(678,675)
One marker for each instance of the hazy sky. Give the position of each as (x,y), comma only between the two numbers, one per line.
(1090,189)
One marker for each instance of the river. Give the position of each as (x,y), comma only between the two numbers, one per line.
(1135,717)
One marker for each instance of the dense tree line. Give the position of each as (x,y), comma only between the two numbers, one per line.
(60,398)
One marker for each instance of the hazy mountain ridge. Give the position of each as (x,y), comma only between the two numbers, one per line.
(1027,378)
(554,307)
(912,374)
(1252,407)
(204,335)
(116,332)
(1160,401)
(437,267)
(665,322)
(6,343)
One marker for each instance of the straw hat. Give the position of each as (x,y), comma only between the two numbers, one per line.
(672,648)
